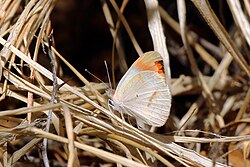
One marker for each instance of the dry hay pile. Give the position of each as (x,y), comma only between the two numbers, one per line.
(212,128)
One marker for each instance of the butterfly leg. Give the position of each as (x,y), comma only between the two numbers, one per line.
(111,111)
(123,120)
(141,125)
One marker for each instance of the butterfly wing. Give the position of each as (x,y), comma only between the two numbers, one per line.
(143,91)
(145,62)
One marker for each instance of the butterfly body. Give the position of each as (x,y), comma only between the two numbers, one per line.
(143,91)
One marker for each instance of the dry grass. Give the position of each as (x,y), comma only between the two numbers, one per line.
(213,131)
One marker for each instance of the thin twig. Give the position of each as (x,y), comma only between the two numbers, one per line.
(53,96)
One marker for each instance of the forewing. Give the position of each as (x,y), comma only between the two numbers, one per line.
(147,62)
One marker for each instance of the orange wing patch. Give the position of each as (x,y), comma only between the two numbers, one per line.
(160,67)
(157,66)
(144,66)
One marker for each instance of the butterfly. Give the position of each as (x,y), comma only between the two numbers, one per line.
(143,92)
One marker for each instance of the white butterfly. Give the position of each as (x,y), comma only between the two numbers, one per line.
(143,92)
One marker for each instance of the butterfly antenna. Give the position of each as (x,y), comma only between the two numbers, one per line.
(108,73)
(86,70)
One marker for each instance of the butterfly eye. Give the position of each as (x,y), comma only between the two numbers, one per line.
(110,103)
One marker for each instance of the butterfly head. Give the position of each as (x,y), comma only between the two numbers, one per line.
(116,104)
(110,92)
